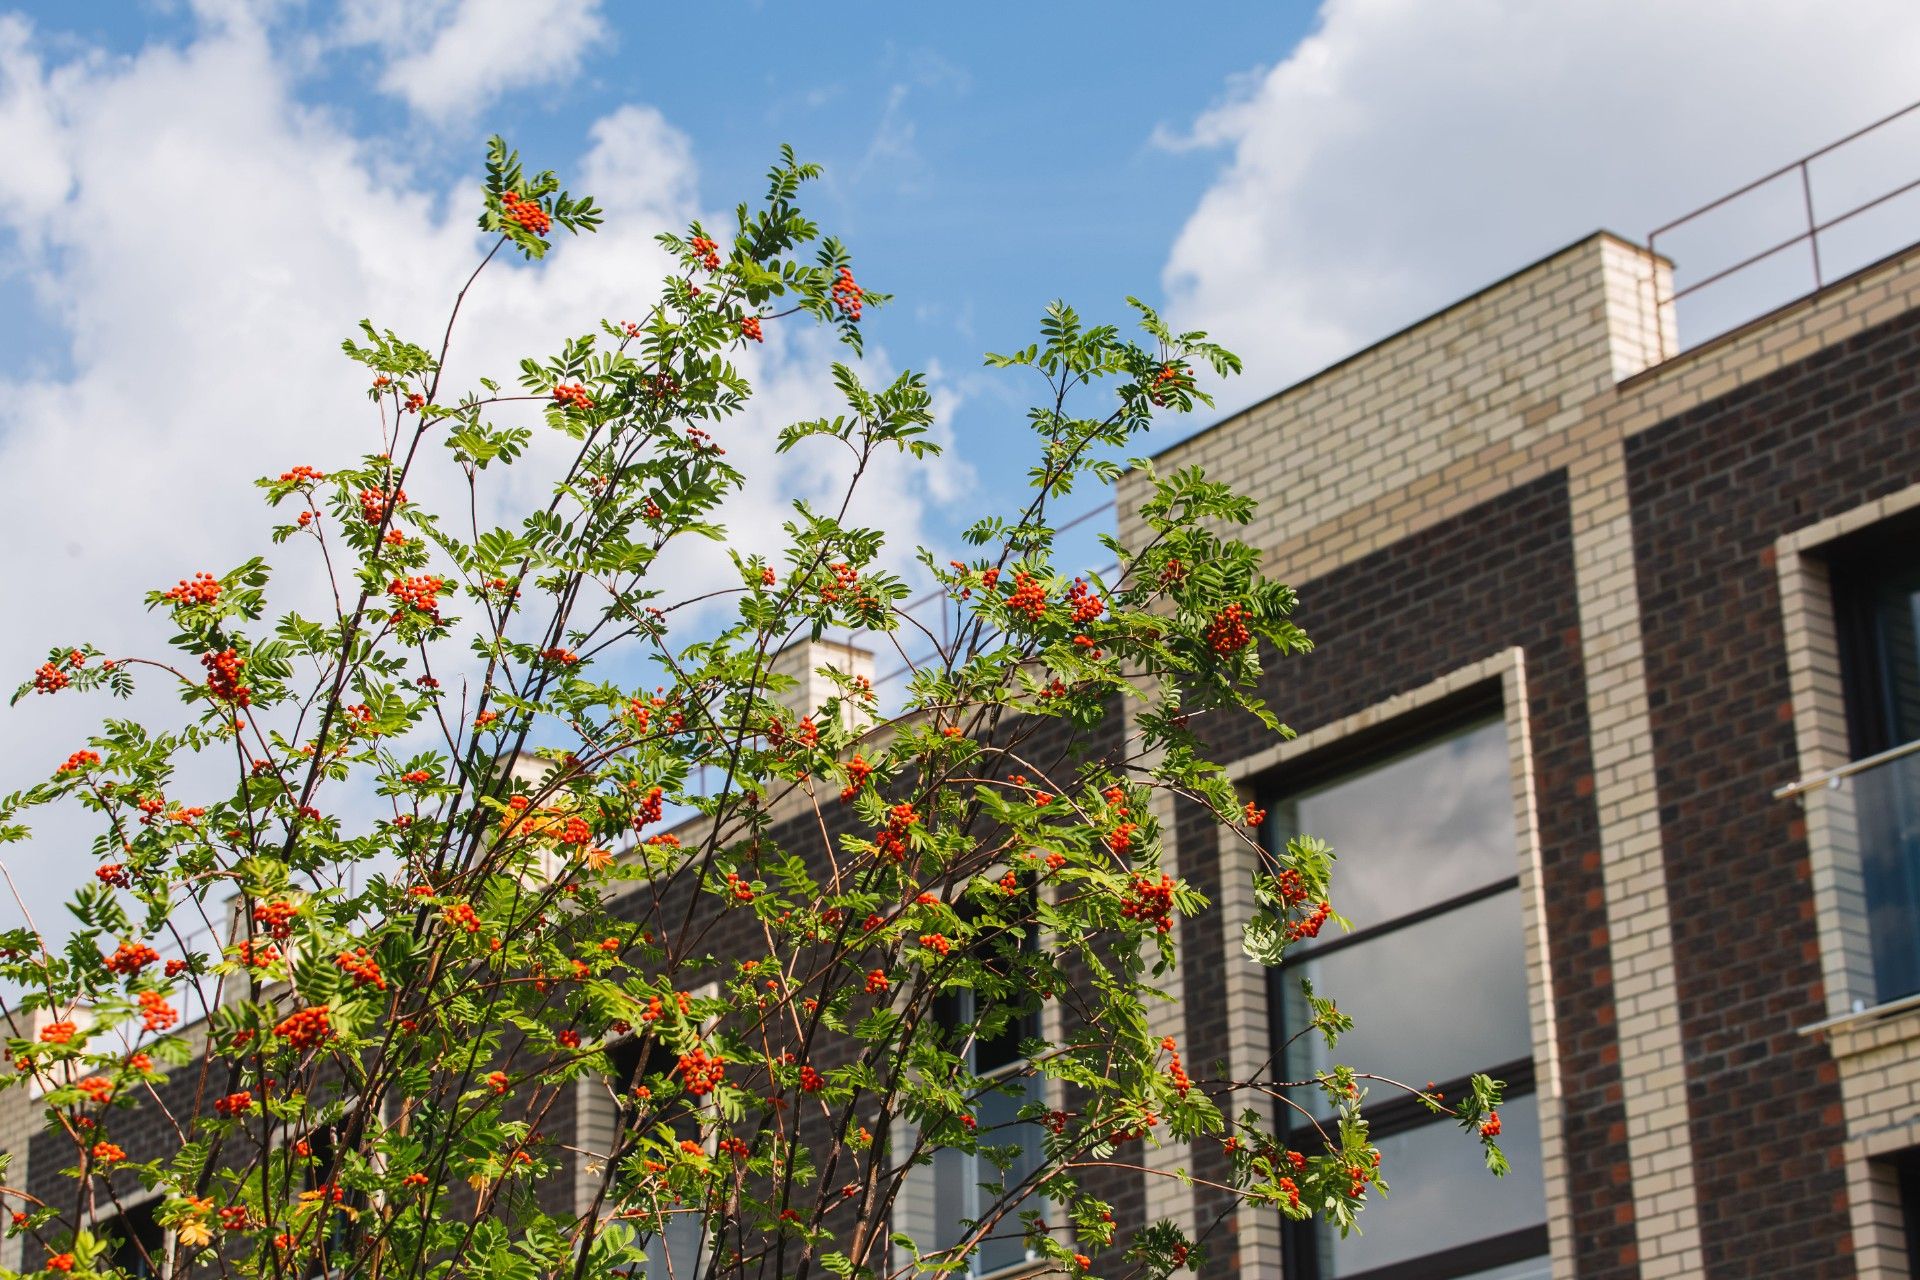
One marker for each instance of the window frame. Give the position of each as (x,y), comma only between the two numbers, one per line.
(1352,755)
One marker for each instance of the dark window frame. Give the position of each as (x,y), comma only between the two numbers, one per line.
(1483,703)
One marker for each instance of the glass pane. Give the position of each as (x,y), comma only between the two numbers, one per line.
(1897,618)
(958,1178)
(1443,1196)
(1414,830)
(1885,803)
(1430,1001)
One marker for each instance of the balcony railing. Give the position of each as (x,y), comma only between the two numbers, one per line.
(1868,816)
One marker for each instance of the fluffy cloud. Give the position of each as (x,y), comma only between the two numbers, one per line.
(200,240)
(454,56)
(1406,153)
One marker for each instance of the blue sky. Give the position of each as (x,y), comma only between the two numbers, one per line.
(199,198)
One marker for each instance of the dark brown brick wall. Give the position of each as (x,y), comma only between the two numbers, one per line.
(1712,490)
(1494,577)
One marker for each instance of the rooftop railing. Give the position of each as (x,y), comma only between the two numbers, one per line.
(1796,229)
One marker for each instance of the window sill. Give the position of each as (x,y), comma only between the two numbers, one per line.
(1846,1024)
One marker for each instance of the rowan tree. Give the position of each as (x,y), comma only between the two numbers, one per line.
(506,818)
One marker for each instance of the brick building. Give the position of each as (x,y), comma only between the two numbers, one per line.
(1617,660)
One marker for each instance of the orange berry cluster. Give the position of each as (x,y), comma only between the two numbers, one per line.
(80,760)
(130,958)
(742,891)
(1227,634)
(421,592)
(305,1028)
(565,657)
(571,395)
(1151,901)
(223,677)
(847,295)
(1309,927)
(302,474)
(1085,605)
(1171,378)
(701,1072)
(276,918)
(707,252)
(1491,1129)
(57,1033)
(48,678)
(891,840)
(114,874)
(750,328)
(844,576)
(936,942)
(649,810)
(1254,814)
(876,981)
(375,503)
(811,1081)
(1120,839)
(525,212)
(107,1152)
(235,1217)
(156,1013)
(98,1089)
(1178,1074)
(363,968)
(1027,596)
(202,588)
(234,1103)
(858,771)
(464,916)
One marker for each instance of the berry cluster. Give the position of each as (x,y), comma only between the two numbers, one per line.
(701,1072)
(1085,605)
(571,395)
(750,328)
(1172,378)
(302,474)
(1182,1083)
(420,592)
(1491,1129)
(1227,634)
(847,295)
(876,981)
(936,942)
(362,968)
(375,503)
(650,809)
(305,1028)
(1150,901)
(57,1033)
(462,915)
(202,588)
(80,760)
(156,1013)
(1027,596)
(130,958)
(223,677)
(276,918)
(811,1081)
(891,840)
(48,678)
(706,251)
(112,873)
(234,1104)
(525,212)
(98,1089)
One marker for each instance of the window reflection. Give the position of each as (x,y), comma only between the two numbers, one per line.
(1415,829)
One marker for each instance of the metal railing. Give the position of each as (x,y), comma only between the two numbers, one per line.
(1815,225)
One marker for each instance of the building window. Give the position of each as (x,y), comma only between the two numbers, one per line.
(1434,976)
(1876,598)
(939,1205)
(676,1250)
(137,1243)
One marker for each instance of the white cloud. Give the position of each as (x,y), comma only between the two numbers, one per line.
(449,58)
(1407,153)
(202,241)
